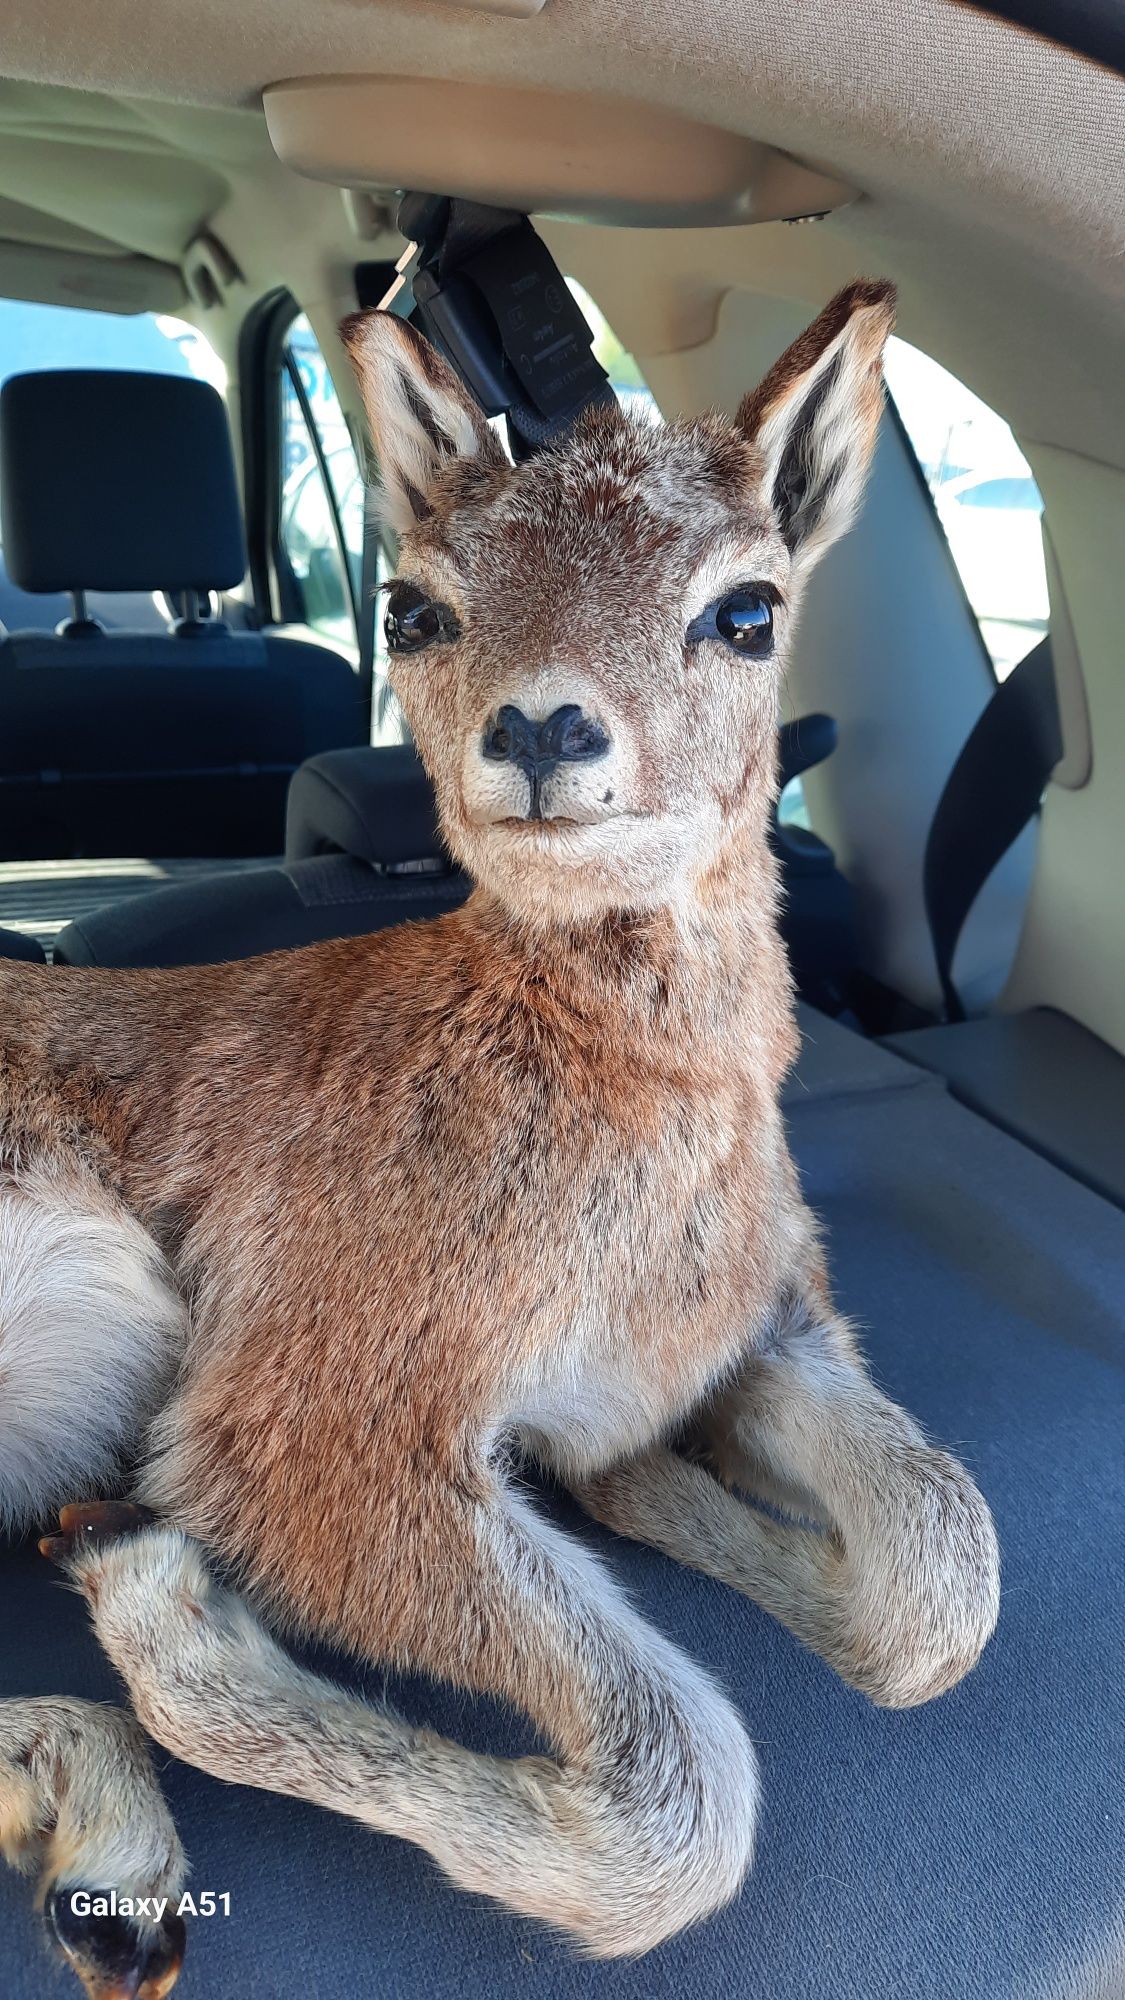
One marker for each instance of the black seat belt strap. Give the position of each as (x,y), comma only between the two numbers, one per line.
(993,790)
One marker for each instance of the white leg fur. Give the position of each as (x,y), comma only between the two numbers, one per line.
(646,1826)
(899,1592)
(91,1333)
(80,1806)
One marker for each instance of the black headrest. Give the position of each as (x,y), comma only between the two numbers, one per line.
(117,481)
(16,944)
(376,804)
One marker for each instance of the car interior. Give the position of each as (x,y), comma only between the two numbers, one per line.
(201,759)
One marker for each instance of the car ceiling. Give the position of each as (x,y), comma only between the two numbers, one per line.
(990,162)
(1096,28)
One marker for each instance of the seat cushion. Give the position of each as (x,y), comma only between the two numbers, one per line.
(969,1850)
(1041,1076)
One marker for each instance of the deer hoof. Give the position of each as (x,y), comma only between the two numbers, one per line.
(90,1524)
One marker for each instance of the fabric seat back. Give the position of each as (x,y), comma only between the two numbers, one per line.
(132,742)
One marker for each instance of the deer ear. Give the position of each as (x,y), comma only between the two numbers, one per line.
(420,416)
(816,415)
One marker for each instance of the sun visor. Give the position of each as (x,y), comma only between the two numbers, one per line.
(572,154)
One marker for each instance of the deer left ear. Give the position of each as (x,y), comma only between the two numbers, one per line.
(816,415)
(420,416)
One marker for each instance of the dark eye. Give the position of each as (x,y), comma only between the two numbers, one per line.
(743,620)
(412,620)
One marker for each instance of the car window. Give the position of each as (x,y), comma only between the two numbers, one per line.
(986,501)
(320,529)
(38,337)
(632,391)
(1001,493)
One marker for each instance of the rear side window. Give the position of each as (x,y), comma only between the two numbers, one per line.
(320,529)
(35,337)
(985,497)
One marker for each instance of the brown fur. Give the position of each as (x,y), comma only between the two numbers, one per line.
(313,1138)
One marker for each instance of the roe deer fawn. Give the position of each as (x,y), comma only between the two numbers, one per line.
(357,1221)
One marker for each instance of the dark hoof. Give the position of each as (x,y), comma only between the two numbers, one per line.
(90,1524)
(116,1957)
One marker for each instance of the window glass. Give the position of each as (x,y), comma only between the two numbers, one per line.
(625,377)
(986,500)
(35,337)
(322,494)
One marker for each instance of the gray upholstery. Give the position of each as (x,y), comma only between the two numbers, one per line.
(375,804)
(16,944)
(362,851)
(970,1850)
(1041,1076)
(264,909)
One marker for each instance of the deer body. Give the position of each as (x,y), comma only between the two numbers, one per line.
(548,1185)
(336,1234)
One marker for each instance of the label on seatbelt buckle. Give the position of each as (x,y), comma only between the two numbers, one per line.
(542,329)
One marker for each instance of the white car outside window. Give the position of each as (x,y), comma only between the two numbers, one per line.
(986,500)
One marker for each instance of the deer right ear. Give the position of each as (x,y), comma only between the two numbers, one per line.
(816,415)
(420,415)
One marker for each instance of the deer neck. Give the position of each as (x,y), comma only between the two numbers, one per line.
(702,978)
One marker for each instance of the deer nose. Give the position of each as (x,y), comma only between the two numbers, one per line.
(567,737)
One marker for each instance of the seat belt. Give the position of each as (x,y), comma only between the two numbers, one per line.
(483,286)
(994,789)
(368,610)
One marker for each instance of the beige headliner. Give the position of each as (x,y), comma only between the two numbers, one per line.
(994,165)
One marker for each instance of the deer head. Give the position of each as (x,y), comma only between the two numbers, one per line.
(589,646)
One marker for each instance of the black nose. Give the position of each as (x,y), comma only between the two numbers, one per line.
(566,737)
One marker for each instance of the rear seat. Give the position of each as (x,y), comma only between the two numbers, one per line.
(969,1850)
(362,850)
(1042,1077)
(135,742)
(358,857)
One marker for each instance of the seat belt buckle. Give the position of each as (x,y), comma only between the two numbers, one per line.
(483,286)
(400,282)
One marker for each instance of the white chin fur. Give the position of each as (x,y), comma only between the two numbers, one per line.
(575,873)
